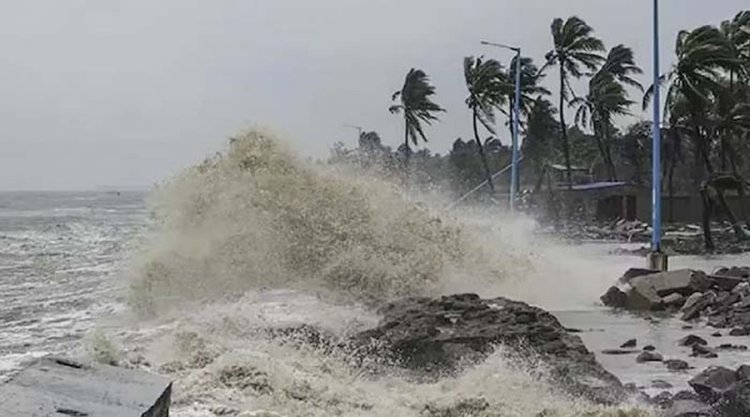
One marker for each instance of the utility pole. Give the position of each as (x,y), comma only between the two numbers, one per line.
(516,124)
(657,259)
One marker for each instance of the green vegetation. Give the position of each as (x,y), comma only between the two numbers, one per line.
(706,125)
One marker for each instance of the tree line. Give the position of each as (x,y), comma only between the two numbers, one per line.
(705,127)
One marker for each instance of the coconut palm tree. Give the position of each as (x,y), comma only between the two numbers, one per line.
(531,88)
(737,35)
(575,50)
(607,97)
(487,86)
(703,55)
(415,103)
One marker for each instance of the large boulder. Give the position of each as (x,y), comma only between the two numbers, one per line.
(615,297)
(443,334)
(55,386)
(735,400)
(643,289)
(648,291)
(712,382)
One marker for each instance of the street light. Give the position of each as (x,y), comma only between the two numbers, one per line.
(359,130)
(516,119)
(656,259)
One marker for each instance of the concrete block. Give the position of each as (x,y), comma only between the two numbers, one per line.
(64,388)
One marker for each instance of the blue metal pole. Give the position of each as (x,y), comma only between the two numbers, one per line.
(516,124)
(656,149)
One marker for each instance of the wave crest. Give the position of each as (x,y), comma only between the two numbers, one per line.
(255,216)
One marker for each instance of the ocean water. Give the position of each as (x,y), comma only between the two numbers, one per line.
(187,281)
(59,254)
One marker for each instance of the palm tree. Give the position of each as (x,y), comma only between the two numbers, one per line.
(574,49)
(607,97)
(531,89)
(737,34)
(486,84)
(414,101)
(702,56)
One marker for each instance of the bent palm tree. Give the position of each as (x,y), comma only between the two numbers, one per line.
(486,84)
(531,89)
(703,55)
(607,97)
(574,49)
(415,103)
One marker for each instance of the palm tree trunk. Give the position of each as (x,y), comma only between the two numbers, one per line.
(487,173)
(670,185)
(407,150)
(600,146)
(566,145)
(607,148)
(707,207)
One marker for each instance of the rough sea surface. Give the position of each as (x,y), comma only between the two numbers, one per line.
(59,253)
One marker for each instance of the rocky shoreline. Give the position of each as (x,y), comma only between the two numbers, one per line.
(678,239)
(720,300)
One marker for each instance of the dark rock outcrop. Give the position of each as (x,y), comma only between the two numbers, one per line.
(691,340)
(649,356)
(443,334)
(655,291)
(629,344)
(711,383)
(676,365)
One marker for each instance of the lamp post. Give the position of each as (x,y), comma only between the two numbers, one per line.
(359,130)
(656,259)
(516,124)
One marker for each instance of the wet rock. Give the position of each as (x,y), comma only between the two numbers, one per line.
(686,395)
(740,331)
(694,311)
(701,351)
(729,346)
(619,351)
(614,297)
(743,289)
(245,377)
(467,407)
(442,334)
(662,400)
(691,340)
(649,348)
(630,344)
(712,382)
(54,386)
(716,334)
(647,356)
(635,273)
(676,365)
(743,373)
(673,301)
(735,400)
(661,384)
(736,272)
(691,300)
(643,290)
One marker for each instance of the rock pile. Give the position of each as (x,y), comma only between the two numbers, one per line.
(723,298)
(718,392)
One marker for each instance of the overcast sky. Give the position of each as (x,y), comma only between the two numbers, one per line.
(126,92)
